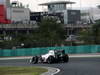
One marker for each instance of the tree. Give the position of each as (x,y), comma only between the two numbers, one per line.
(51,32)
(92,35)
(86,36)
(96,32)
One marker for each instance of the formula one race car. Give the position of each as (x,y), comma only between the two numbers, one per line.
(53,56)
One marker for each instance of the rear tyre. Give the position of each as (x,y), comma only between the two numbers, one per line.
(65,58)
(34,60)
(50,60)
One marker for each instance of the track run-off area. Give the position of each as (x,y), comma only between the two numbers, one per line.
(88,64)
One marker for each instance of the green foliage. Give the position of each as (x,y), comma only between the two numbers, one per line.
(21,70)
(86,36)
(91,36)
(96,32)
(49,33)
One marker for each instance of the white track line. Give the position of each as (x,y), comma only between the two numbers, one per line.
(12,58)
(71,56)
(51,71)
(74,56)
(58,70)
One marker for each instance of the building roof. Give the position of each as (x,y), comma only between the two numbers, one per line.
(57,2)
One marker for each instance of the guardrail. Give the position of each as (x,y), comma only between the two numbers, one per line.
(13,26)
(39,51)
(78,26)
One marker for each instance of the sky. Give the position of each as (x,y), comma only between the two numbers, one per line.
(33,4)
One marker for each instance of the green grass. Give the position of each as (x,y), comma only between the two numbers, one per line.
(21,70)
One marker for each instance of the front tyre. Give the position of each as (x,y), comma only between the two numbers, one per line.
(34,60)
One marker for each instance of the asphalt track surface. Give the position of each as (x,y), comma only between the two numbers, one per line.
(75,66)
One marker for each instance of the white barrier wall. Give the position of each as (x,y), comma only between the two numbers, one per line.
(18,14)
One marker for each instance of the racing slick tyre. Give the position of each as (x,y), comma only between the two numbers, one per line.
(34,60)
(50,60)
(65,58)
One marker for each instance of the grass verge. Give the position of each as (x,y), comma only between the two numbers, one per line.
(22,70)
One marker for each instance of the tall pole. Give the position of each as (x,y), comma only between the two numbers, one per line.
(80,4)
(80,8)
